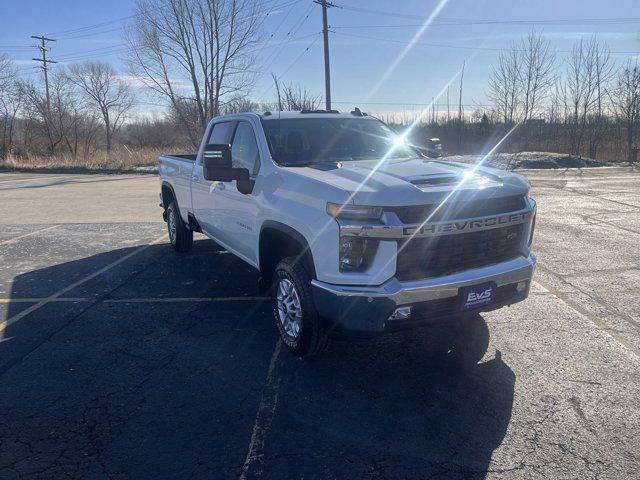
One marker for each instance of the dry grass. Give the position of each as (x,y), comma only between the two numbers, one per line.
(123,159)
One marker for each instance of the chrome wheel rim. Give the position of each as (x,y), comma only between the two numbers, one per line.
(289,309)
(171,223)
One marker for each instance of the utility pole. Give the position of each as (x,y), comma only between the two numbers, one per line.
(460,112)
(45,67)
(325,32)
(433,110)
(448,112)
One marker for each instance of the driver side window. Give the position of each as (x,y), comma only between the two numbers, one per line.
(221,133)
(244,149)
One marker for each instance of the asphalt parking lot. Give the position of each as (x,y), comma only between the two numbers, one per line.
(120,358)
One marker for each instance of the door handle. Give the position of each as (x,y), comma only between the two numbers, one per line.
(220,186)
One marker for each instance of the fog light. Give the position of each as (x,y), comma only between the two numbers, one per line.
(521,287)
(401,313)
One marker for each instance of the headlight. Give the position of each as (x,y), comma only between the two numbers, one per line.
(354,212)
(356,253)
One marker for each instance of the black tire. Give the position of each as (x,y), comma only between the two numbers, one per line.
(311,338)
(180,236)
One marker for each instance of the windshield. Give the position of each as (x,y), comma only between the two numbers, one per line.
(305,141)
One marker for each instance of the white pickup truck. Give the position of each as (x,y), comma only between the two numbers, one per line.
(352,230)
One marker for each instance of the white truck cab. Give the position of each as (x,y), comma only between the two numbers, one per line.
(353,231)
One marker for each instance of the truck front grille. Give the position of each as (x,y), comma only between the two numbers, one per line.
(459,210)
(424,257)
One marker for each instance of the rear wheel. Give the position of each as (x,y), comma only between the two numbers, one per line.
(300,327)
(180,236)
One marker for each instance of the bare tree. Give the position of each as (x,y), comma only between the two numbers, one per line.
(240,103)
(194,53)
(55,122)
(625,97)
(603,66)
(589,67)
(7,72)
(10,102)
(298,98)
(504,84)
(106,92)
(277,84)
(537,63)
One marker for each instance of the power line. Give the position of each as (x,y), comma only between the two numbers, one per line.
(16,47)
(296,60)
(93,52)
(92,34)
(315,40)
(448,45)
(65,34)
(407,104)
(287,39)
(86,28)
(450,23)
(114,49)
(464,21)
(90,27)
(276,30)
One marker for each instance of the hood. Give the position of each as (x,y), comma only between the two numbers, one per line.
(416,181)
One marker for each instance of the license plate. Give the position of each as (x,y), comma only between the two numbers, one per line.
(477,296)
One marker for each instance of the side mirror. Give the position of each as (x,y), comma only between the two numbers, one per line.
(216,162)
(217,166)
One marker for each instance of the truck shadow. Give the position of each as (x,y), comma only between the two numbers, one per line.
(396,407)
(170,389)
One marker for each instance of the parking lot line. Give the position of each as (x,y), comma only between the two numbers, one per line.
(264,417)
(40,177)
(59,293)
(185,299)
(39,299)
(19,237)
(601,324)
(136,300)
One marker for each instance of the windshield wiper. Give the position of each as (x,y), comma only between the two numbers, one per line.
(309,163)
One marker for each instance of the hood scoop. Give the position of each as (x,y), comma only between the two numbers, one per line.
(326,166)
(436,180)
(465,180)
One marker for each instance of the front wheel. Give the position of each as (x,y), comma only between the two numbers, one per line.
(300,327)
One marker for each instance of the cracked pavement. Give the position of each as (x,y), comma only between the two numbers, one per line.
(158,366)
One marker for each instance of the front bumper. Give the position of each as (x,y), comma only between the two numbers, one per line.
(366,310)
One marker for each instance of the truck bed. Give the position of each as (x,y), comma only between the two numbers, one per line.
(175,170)
(186,157)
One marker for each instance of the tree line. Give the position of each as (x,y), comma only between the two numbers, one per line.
(584,93)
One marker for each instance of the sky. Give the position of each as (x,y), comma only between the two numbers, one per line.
(373,63)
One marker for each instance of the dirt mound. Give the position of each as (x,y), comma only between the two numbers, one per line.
(535,160)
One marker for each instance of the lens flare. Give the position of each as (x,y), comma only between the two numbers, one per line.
(469,174)
(436,11)
(399,141)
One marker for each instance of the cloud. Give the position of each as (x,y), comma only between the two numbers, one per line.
(140,81)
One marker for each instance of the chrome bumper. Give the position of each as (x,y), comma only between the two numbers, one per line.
(402,293)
